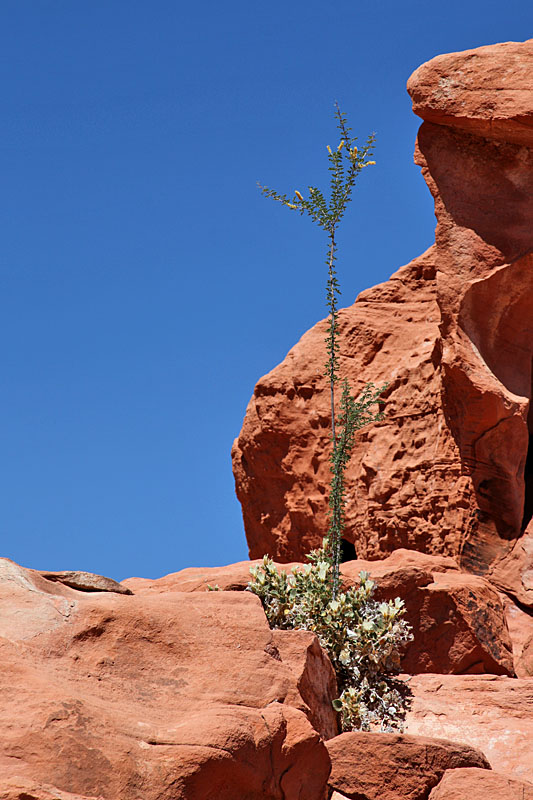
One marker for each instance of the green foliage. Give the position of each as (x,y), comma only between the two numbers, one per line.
(355,414)
(361,636)
(344,165)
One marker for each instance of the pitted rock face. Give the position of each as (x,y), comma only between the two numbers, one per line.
(448,470)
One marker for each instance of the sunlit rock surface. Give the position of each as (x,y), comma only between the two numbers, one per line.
(448,470)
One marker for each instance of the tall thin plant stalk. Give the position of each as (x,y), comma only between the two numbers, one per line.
(345,162)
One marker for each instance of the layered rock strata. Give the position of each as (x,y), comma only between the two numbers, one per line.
(450,469)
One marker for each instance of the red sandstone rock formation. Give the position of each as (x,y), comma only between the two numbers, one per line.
(476,784)
(386,766)
(448,469)
(459,621)
(165,696)
(180,694)
(491,713)
(27,789)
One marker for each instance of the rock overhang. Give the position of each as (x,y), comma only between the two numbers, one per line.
(487,91)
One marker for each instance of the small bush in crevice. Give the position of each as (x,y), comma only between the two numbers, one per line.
(361,636)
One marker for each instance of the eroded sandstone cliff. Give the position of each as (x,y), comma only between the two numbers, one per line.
(164,690)
(450,468)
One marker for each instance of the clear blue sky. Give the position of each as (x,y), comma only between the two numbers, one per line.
(145,283)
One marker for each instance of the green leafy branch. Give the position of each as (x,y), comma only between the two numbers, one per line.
(345,163)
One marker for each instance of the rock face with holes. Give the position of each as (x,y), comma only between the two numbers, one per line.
(169,695)
(448,470)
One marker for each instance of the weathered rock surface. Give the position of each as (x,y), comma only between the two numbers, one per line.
(21,789)
(525,660)
(280,459)
(448,469)
(476,784)
(164,696)
(233,577)
(459,621)
(493,714)
(315,685)
(385,766)
(86,582)
(178,693)
(487,91)
(520,626)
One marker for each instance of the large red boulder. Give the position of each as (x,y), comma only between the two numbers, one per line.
(451,333)
(386,766)
(477,784)
(458,620)
(164,696)
(486,91)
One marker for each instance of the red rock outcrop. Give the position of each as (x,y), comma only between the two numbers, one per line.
(163,690)
(520,627)
(476,784)
(450,469)
(459,621)
(386,766)
(23,789)
(493,714)
(161,696)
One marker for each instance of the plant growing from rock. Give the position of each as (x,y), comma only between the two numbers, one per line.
(361,636)
(345,163)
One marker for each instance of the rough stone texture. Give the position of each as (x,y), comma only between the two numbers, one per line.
(459,621)
(280,459)
(479,784)
(21,789)
(493,714)
(520,626)
(233,577)
(452,334)
(385,766)
(525,660)
(165,697)
(87,582)
(315,684)
(487,91)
